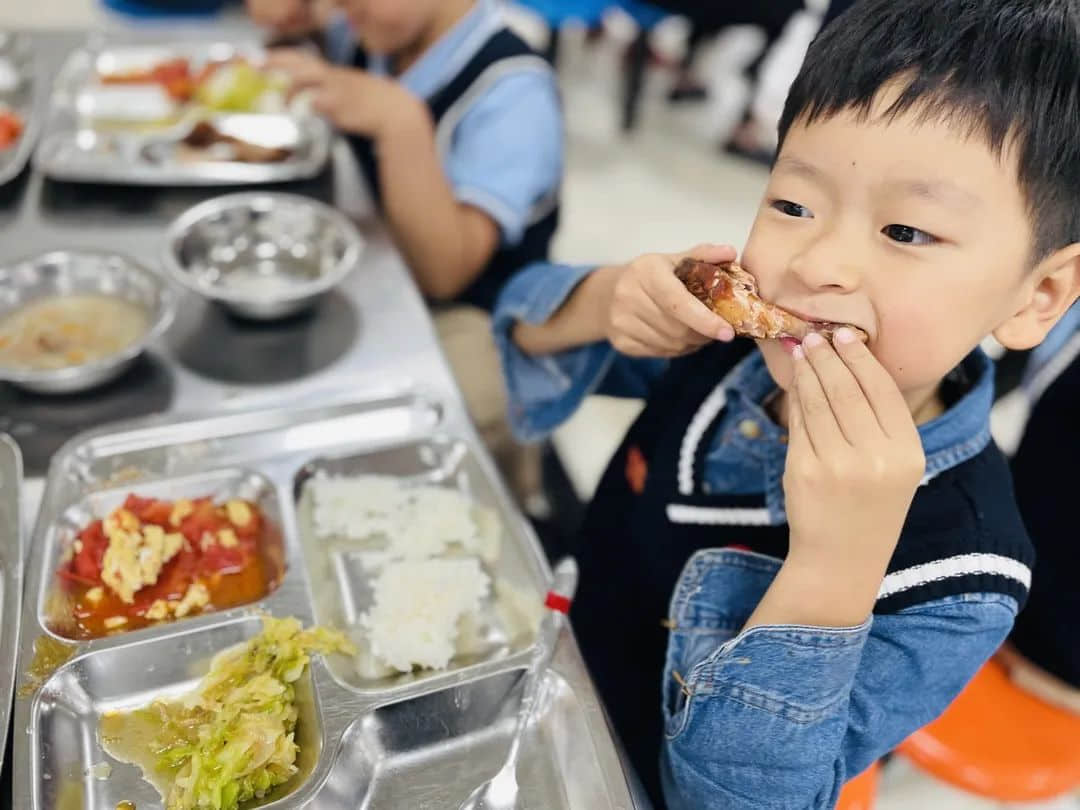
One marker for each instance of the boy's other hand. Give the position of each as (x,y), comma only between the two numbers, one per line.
(854,462)
(651,314)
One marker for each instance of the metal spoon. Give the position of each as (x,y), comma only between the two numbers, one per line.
(501,791)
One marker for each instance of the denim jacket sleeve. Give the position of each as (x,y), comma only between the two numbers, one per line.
(544,391)
(782,716)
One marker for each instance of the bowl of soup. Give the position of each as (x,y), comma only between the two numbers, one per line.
(72,320)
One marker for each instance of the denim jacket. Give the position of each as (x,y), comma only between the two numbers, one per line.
(777,716)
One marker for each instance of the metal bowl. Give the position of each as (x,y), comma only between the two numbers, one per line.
(68,272)
(262,255)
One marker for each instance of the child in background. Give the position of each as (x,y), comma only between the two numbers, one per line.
(457,128)
(823,536)
(1043,653)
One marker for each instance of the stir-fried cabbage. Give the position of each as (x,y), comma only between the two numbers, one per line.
(232,740)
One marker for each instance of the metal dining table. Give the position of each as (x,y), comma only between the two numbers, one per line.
(372,334)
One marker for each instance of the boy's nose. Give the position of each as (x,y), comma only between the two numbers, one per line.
(827,264)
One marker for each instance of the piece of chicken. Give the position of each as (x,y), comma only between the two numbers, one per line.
(732,293)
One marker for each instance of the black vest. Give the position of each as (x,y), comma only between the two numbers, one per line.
(536,240)
(633,546)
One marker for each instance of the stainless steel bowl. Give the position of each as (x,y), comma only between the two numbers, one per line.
(262,255)
(68,272)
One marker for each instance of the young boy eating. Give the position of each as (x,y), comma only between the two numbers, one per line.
(821,534)
(457,128)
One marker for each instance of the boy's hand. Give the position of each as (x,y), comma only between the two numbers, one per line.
(854,462)
(353,100)
(650,313)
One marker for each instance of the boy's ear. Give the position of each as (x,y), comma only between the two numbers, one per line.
(1055,285)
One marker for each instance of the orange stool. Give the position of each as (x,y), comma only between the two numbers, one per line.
(859,793)
(1001,742)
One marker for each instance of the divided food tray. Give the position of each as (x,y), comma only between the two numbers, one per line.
(422,740)
(73,148)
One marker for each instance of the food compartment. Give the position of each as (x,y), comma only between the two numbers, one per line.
(420,558)
(83,741)
(430,752)
(156,552)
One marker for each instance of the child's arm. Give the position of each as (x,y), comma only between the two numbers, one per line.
(558,328)
(791,712)
(446,243)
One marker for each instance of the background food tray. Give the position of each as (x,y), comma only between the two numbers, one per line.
(72,150)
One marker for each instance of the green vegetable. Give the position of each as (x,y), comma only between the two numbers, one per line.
(235,87)
(232,740)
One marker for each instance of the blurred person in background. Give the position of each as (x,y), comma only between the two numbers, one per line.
(457,127)
(1043,653)
(754,137)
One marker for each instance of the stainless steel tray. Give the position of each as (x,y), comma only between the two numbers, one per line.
(25,100)
(405,742)
(11,564)
(78,149)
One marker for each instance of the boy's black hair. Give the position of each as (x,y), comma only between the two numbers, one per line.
(1006,70)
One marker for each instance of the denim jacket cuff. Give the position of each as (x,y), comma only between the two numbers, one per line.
(794,671)
(544,390)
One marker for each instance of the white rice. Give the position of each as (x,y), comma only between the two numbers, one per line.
(421,548)
(415,522)
(418,604)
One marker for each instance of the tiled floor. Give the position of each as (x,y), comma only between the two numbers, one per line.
(664,188)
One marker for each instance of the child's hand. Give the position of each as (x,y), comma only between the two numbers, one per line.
(651,314)
(353,100)
(854,461)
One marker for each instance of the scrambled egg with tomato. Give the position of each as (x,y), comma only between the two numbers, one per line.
(153,560)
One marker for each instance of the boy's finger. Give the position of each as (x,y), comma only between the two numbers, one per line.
(672,328)
(676,301)
(890,408)
(849,404)
(817,413)
(798,440)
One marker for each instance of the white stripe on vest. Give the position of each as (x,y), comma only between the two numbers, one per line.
(951,567)
(717,516)
(706,413)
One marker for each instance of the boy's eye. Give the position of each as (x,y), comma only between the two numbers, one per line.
(792,209)
(907,235)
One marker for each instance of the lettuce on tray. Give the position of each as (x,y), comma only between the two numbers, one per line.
(232,739)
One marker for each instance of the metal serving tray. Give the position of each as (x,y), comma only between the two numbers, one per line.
(80,149)
(24,100)
(417,741)
(11,564)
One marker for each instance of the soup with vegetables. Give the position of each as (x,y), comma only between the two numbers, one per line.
(69,330)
